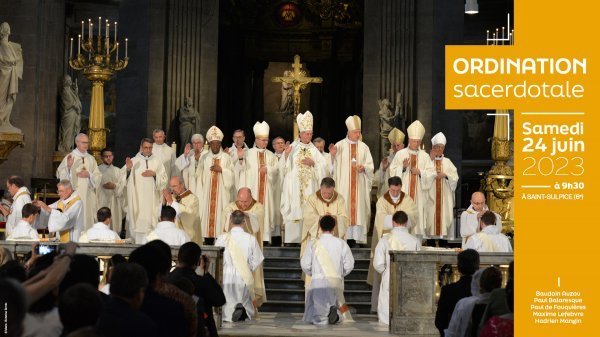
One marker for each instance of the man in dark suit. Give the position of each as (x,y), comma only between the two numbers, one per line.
(468,263)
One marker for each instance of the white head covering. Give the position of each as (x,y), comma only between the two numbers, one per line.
(353,123)
(416,130)
(214,133)
(261,130)
(305,121)
(396,136)
(439,138)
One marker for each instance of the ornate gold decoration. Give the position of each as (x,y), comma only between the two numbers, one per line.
(98,66)
(299,80)
(8,142)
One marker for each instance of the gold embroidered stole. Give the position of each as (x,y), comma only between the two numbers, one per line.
(64,235)
(212,208)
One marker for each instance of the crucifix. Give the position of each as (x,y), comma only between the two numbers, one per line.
(299,80)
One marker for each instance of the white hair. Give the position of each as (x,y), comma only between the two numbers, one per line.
(65,183)
(198,137)
(79,136)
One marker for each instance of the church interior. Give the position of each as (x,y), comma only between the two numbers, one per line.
(217,59)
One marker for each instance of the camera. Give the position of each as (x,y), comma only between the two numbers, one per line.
(43,249)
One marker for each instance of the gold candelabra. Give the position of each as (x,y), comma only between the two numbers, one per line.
(98,63)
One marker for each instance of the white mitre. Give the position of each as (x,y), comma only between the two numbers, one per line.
(261,130)
(214,133)
(353,123)
(439,138)
(396,136)
(305,121)
(416,130)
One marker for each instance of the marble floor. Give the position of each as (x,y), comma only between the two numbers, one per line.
(291,324)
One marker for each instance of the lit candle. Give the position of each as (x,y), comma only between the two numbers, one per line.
(82,28)
(78,44)
(117,51)
(502,35)
(99,29)
(90,29)
(115,31)
(126,47)
(107,28)
(91,40)
(487,37)
(497,36)
(71,49)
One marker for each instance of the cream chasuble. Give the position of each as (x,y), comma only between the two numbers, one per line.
(191,171)
(188,216)
(113,199)
(315,208)
(440,198)
(217,189)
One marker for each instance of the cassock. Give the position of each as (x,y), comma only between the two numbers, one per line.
(316,207)
(99,232)
(300,182)
(216,192)
(440,198)
(241,257)
(191,171)
(113,199)
(254,226)
(85,187)
(262,185)
(143,195)
(65,219)
(489,241)
(469,223)
(412,184)
(188,216)
(20,199)
(327,260)
(166,154)
(23,231)
(168,232)
(397,239)
(355,186)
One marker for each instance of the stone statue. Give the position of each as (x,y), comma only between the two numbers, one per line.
(70,109)
(189,121)
(287,96)
(388,120)
(11,70)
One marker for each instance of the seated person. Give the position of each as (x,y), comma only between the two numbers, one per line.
(489,240)
(166,230)
(101,231)
(24,228)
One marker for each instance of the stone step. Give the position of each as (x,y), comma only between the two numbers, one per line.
(363,308)
(285,283)
(296,273)
(298,295)
(358,253)
(291,262)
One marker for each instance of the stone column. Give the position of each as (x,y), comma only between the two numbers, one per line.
(39,27)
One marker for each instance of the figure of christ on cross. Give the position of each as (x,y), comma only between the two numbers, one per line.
(299,80)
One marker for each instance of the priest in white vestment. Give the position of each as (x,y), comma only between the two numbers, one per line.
(81,169)
(21,196)
(253,224)
(145,178)
(24,229)
(398,239)
(100,231)
(488,240)
(164,152)
(440,197)
(186,205)
(189,165)
(392,201)
(471,218)
(326,201)
(320,145)
(381,176)
(166,230)
(217,185)
(64,218)
(239,147)
(353,172)
(411,165)
(241,257)
(327,260)
(258,169)
(278,144)
(304,168)
(110,193)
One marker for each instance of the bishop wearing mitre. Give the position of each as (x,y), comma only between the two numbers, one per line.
(380,179)
(410,164)
(304,168)
(443,178)
(81,169)
(258,170)
(353,172)
(189,165)
(217,184)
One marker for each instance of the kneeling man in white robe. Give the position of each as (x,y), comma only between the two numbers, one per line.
(398,239)
(489,240)
(242,256)
(64,217)
(101,231)
(327,260)
(24,228)
(166,230)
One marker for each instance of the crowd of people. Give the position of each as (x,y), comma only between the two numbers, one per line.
(244,199)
